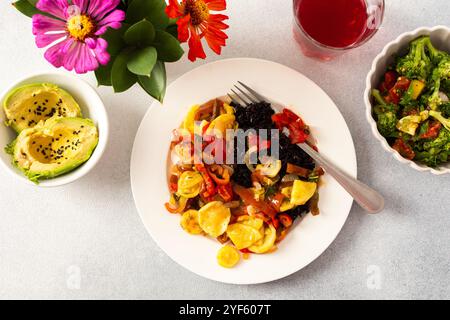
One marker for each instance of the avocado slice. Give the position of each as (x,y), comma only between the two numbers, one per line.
(26,106)
(54,147)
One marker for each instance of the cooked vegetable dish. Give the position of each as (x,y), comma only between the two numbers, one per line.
(248,207)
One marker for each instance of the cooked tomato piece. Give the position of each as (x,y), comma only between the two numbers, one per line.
(396,92)
(390,78)
(404,149)
(433,130)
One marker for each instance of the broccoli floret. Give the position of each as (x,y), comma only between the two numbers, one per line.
(385,115)
(387,124)
(436,151)
(440,73)
(435,54)
(442,141)
(382,106)
(445,109)
(445,86)
(416,64)
(443,69)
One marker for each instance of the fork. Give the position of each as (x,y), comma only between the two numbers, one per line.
(369,199)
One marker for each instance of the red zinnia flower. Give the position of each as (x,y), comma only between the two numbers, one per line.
(195,21)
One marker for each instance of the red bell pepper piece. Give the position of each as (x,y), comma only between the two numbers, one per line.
(225,191)
(210,188)
(285,219)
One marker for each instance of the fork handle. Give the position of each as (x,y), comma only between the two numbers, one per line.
(365,196)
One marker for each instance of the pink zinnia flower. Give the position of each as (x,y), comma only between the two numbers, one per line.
(79,26)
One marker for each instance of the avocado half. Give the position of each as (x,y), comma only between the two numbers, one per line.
(26,106)
(54,147)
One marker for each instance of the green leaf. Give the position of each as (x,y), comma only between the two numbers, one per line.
(33,2)
(173,30)
(152,10)
(140,34)
(121,78)
(168,47)
(25,7)
(115,40)
(155,85)
(115,45)
(103,74)
(142,61)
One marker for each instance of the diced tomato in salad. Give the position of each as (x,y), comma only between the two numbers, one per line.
(404,149)
(396,92)
(390,78)
(298,131)
(433,130)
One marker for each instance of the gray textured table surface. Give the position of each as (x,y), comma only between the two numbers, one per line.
(90,230)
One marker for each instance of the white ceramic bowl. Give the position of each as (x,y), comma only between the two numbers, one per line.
(91,106)
(440,36)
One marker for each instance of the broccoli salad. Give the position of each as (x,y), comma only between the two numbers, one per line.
(411,105)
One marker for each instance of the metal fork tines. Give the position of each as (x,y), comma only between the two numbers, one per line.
(246,95)
(366,197)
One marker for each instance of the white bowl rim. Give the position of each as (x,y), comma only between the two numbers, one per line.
(96,155)
(371,120)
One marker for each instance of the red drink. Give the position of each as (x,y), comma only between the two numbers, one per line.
(326,27)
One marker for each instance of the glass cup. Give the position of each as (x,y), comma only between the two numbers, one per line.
(325,29)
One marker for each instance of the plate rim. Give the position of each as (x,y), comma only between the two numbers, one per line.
(287,273)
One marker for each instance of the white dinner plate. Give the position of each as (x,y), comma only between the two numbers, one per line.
(309,238)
